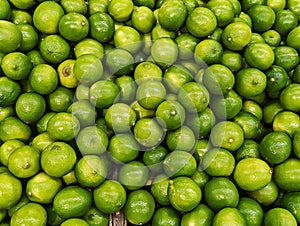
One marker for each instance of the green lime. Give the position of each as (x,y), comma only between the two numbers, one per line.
(127,87)
(172,15)
(254,108)
(147,70)
(102,27)
(229,216)
(46,17)
(30,214)
(30,37)
(19,16)
(66,74)
(42,124)
(286,121)
(35,57)
(159,189)
(266,195)
(63,126)
(277,78)
(133,175)
(84,111)
(79,201)
(95,6)
(154,157)
(42,188)
(236,36)
(208,50)
(295,143)
(123,147)
(184,194)
(285,174)
(6,112)
(186,43)
(249,149)
(179,163)
(11,190)
(259,55)
(232,60)
(9,91)
(11,37)
(252,174)
(104,93)
(257,38)
(220,192)
(290,201)
(164,51)
(250,124)
(201,215)
(143,19)
(54,49)
(90,170)
(30,107)
(228,135)
(218,79)
(41,141)
(148,3)
(92,140)
(182,139)
(250,82)
(88,46)
(95,217)
(127,38)
(5,11)
(277,216)
(159,32)
(60,99)
(285,21)
(201,22)
(139,207)
(13,128)
(263,17)
(251,210)
(292,36)
(272,37)
(7,148)
(286,57)
(166,216)
(16,65)
(200,177)
(78,6)
(120,10)
(218,162)
(110,196)
(74,222)
(223,10)
(58,159)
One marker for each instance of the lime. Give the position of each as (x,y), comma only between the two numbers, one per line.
(133,175)
(7,148)
(292,36)
(66,74)
(263,17)
(154,157)
(186,43)
(42,188)
(41,141)
(54,49)
(120,10)
(232,60)
(95,6)
(84,111)
(236,35)
(13,128)
(184,194)
(30,37)
(63,126)
(73,26)
(74,222)
(201,22)
(179,163)
(286,57)
(164,51)
(139,207)
(5,11)
(220,192)
(147,70)
(110,196)
(58,159)
(218,162)
(90,170)
(272,37)
(172,15)
(9,91)
(104,93)
(60,99)
(143,19)
(165,216)
(252,174)
(159,32)
(11,37)
(223,10)
(92,140)
(228,135)
(229,216)
(249,149)
(30,107)
(286,174)
(159,189)
(11,190)
(16,65)
(277,216)
(88,46)
(127,38)
(95,217)
(285,21)
(78,6)
(24,161)
(201,215)
(79,201)
(19,16)
(259,55)
(250,82)
(277,78)
(35,57)
(102,27)
(127,88)
(290,201)
(182,139)
(46,17)
(123,147)
(30,214)
(266,195)
(286,121)
(295,139)
(251,210)
(208,50)
(250,124)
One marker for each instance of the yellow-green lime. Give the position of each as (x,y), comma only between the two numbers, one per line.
(201,215)
(11,37)
(229,216)
(165,215)
(251,210)
(13,128)
(277,216)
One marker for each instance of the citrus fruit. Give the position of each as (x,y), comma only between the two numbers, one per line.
(201,215)
(159,189)
(266,195)
(143,19)
(249,123)
(229,216)
(78,6)
(290,201)
(279,215)
(84,111)
(127,38)
(13,128)
(11,37)
(223,10)
(292,36)
(286,121)
(95,217)
(9,91)
(74,222)
(285,21)
(263,17)
(88,46)
(251,210)
(5,11)
(286,57)
(120,10)
(102,27)
(165,215)
(182,139)
(30,37)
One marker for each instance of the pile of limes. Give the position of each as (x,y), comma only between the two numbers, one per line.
(149,112)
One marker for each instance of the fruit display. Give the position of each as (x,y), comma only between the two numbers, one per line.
(149,112)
